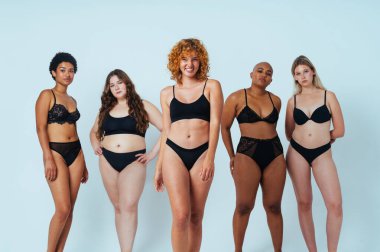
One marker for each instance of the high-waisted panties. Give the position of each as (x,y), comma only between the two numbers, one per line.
(119,161)
(188,156)
(309,154)
(262,151)
(69,151)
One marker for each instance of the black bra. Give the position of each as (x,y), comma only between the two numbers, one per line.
(320,115)
(199,109)
(120,125)
(248,115)
(59,114)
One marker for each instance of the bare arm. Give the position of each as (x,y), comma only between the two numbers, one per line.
(158,181)
(95,143)
(228,116)
(337,116)
(42,108)
(289,120)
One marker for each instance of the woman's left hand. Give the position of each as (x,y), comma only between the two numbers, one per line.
(145,158)
(207,171)
(84,178)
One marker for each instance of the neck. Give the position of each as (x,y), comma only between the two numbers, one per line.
(188,82)
(60,88)
(257,90)
(122,101)
(308,90)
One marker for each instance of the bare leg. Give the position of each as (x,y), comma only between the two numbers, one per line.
(299,171)
(177,182)
(247,176)
(60,190)
(272,184)
(326,176)
(198,195)
(75,172)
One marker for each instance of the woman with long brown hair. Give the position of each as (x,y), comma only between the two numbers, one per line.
(191,109)
(118,138)
(308,120)
(65,167)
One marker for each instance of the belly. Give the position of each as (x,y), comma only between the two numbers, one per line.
(122,143)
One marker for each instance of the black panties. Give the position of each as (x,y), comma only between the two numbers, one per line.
(262,151)
(119,161)
(309,154)
(188,156)
(69,151)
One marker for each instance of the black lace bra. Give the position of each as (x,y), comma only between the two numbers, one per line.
(59,114)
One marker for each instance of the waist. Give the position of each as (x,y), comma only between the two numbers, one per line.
(123,142)
(276,138)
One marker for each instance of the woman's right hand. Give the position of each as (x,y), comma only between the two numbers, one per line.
(50,169)
(232,165)
(98,149)
(158,179)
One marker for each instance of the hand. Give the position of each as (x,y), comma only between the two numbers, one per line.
(158,179)
(207,171)
(232,165)
(50,169)
(84,178)
(332,141)
(98,150)
(144,158)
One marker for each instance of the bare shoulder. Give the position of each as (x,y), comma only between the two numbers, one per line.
(45,94)
(166,91)
(291,101)
(236,96)
(147,104)
(330,95)
(213,84)
(275,98)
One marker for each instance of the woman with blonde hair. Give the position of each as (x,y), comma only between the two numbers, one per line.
(192,111)
(118,138)
(309,115)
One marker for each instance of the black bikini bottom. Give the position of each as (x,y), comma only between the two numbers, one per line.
(309,154)
(188,156)
(69,151)
(262,151)
(119,161)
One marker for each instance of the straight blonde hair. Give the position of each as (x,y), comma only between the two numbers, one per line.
(303,60)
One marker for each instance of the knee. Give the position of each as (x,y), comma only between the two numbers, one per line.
(128,207)
(273,208)
(304,205)
(335,208)
(116,207)
(181,218)
(63,212)
(244,209)
(196,218)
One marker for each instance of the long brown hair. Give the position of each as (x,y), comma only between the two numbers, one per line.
(135,104)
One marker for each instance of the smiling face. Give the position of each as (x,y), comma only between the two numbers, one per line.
(303,75)
(64,74)
(261,75)
(117,87)
(189,64)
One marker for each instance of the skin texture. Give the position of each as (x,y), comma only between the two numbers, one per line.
(188,190)
(312,135)
(246,173)
(124,189)
(63,181)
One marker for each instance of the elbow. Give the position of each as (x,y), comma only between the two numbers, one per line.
(339,133)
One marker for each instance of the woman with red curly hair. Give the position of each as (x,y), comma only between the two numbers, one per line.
(118,138)
(192,110)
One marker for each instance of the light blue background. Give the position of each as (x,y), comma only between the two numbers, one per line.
(340,37)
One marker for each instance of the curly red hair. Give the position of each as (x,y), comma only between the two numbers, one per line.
(183,48)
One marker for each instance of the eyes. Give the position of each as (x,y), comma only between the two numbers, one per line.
(304,71)
(114,84)
(186,59)
(64,70)
(267,73)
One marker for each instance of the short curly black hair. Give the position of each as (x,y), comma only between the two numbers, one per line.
(59,58)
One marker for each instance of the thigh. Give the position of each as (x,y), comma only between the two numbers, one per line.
(76,172)
(198,188)
(300,173)
(110,178)
(273,181)
(131,183)
(176,180)
(247,176)
(60,187)
(326,177)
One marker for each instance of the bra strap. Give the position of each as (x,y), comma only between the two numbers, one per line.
(53,96)
(295,103)
(325,96)
(204,87)
(270,97)
(246,100)
(173,92)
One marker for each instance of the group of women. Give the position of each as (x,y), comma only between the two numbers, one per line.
(193,113)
